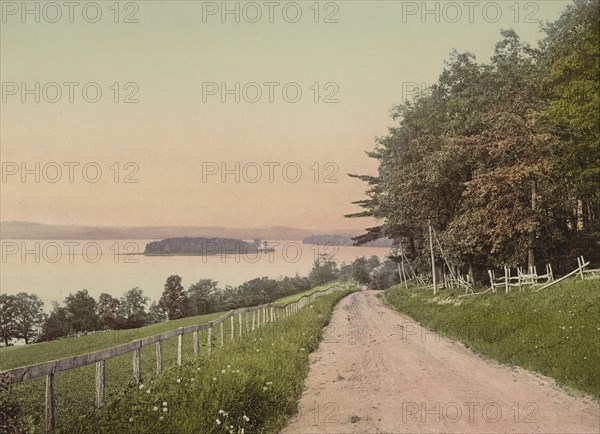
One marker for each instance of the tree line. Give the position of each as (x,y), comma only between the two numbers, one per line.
(22,315)
(503,157)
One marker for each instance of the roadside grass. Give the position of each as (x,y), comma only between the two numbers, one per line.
(75,389)
(555,332)
(299,295)
(251,385)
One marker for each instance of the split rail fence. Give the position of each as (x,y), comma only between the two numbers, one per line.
(248,319)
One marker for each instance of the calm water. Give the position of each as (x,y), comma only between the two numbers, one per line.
(53,269)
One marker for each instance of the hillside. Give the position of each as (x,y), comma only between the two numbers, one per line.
(39,231)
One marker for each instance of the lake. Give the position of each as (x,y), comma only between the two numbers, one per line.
(52,269)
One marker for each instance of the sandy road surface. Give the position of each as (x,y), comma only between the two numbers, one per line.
(376,371)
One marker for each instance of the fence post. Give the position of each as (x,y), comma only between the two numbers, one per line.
(506,275)
(179,349)
(222,333)
(196,346)
(99,383)
(581,267)
(272,314)
(240,322)
(158,357)
(50,402)
(247,323)
(136,366)
(209,340)
(253,319)
(232,328)
(257,311)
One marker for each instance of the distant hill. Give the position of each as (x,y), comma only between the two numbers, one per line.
(204,246)
(15,230)
(343,240)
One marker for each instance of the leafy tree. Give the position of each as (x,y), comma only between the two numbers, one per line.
(384,276)
(324,270)
(8,318)
(109,311)
(156,314)
(360,271)
(174,301)
(56,324)
(570,54)
(81,312)
(133,308)
(201,296)
(30,316)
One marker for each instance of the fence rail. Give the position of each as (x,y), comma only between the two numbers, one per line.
(262,314)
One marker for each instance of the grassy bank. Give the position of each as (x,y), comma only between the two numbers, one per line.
(555,332)
(252,384)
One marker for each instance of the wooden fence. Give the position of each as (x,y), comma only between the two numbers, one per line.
(521,279)
(261,315)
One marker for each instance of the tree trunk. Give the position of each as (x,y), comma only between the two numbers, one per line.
(534,206)
(471,274)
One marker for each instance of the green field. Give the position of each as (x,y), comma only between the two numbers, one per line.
(74,389)
(555,332)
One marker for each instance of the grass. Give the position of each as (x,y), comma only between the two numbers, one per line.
(555,332)
(75,389)
(299,295)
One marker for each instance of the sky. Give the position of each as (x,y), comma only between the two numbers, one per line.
(136,120)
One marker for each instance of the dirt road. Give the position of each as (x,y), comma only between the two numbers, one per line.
(377,371)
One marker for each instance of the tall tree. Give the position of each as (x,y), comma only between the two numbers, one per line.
(8,318)
(201,296)
(571,55)
(56,324)
(81,312)
(109,311)
(30,316)
(174,301)
(133,308)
